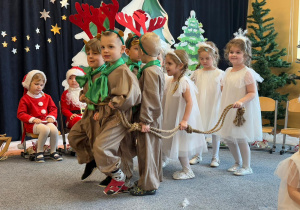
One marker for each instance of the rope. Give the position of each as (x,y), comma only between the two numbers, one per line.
(238,121)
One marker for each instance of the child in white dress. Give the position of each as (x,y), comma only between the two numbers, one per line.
(289,191)
(180,108)
(208,82)
(240,89)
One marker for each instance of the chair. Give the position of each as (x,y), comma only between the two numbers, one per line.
(269,105)
(64,131)
(291,106)
(4,144)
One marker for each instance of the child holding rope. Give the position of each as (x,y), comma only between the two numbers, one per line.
(180,107)
(239,89)
(208,81)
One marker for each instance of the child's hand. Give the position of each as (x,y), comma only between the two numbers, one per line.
(73,116)
(50,120)
(183,125)
(145,128)
(110,104)
(96,116)
(238,104)
(37,121)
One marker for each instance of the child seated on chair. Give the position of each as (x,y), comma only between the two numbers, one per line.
(289,190)
(70,105)
(38,113)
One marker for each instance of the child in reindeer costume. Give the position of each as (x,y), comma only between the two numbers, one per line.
(151,80)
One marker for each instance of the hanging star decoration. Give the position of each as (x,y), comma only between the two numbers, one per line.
(52,1)
(37,47)
(64,17)
(27,37)
(4,44)
(14,51)
(14,39)
(37,30)
(3,33)
(64,3)
(55,29)
(49,40)
(27,49)
(45,14)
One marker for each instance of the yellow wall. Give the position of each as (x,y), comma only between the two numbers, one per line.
(281,11)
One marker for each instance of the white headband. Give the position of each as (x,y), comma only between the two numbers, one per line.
(171,51)
(204,44)
(240,34)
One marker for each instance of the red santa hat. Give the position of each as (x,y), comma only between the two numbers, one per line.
(77,71)
(28,77)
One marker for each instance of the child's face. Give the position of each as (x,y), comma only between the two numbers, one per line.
(236,56)
(171,67)
(206,60)
(72,82)
(111,48)
(94,59)
(133,53)
(36,87)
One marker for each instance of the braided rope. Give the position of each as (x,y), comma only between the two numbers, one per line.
(238,121)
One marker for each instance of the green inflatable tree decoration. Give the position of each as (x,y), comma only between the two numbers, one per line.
(190,38)
(265,55)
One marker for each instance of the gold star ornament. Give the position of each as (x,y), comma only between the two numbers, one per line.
(49,40)
(55,29)
(27,49)
(28,37)
(64,17)
(14,39)
(4,44)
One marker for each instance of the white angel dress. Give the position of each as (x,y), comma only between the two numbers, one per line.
(209,95)
(234,88)
(288,171)
(181,144)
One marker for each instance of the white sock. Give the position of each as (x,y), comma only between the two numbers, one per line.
(235,151)
(215,146)
(118,175)
(185,163)
(245,152)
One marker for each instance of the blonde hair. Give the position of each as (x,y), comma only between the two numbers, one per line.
(94,45)
(38,77)
(213,52)
(245,46)
(184,59)
(151,43)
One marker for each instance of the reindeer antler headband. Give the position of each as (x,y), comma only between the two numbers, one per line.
(140,19)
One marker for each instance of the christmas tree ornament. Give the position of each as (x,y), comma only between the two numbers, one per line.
(55,29)
(45,14)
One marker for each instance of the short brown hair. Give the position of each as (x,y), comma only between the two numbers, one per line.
(94,45)
(245,46)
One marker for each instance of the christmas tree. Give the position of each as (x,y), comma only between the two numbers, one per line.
(266,55)
(190,38)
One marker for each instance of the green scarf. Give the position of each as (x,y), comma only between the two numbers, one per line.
(89,76)
(132,64)
(100,86)
(151,63)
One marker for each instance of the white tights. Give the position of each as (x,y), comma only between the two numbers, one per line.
(185,163)
(240,151)
(215,146)
(43,130)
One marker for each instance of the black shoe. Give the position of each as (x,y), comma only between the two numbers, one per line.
(105,181)
(140,192)
(40,157)
(89,168)
(56,156)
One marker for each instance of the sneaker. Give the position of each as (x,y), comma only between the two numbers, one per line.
(113,187)
(233,168)
(89,169)
(196,159)
(56,156)
(105,181)
(215,162)
(243,171)
(184,174)
(40,157)
(140,192)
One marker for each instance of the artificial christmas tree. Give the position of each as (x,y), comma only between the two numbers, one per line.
(190,38)
(266,55)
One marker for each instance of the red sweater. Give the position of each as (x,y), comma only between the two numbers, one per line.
(40,108)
